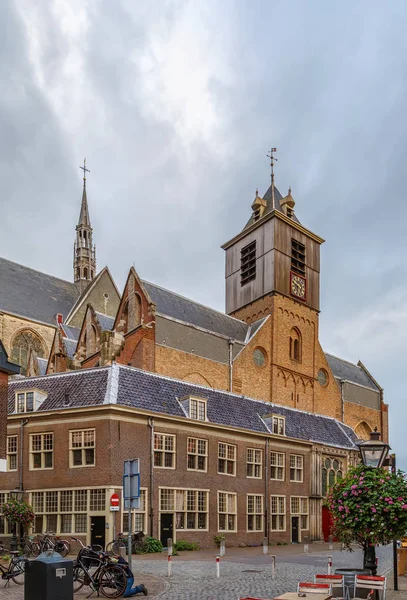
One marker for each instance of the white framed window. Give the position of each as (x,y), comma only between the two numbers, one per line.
(299,506)
(24,402)
(41,451)
(12,453)
(197,409)
(278,513)
(227,511)
(278,424)
(138,515)
(226,458)
(277,466)
(189,505)
(197,454)
(82,448)
(5,526)
(164,451)
(296,468)
(254,463)
(66,511)
(254,512)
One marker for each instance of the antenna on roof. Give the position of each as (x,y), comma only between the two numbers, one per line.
(272,159)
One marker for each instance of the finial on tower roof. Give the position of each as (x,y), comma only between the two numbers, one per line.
(289,191)
(272,160)
(84,169)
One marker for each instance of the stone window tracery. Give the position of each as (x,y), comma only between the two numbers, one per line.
(21,346)
(332,471)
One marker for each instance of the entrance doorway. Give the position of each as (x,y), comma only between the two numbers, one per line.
(97,531)
(295,530)
(167,521)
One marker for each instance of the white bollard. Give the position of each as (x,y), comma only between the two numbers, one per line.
(222,547)
(273,566)
(217,566)
(265,546)
(306,544)
(329,564)
(169,546)
(169,566)
(330,541)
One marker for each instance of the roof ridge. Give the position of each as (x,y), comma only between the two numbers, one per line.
(37,271)
(64,374)
(342,359)
(194,301)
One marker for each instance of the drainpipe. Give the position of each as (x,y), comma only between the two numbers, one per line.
(231,342)
(23,422)
(342,402)
(151,502)
(266,491)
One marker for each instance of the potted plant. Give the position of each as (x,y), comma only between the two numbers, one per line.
(369,507)
(17,512)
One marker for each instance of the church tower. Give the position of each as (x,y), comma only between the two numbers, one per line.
(84,260)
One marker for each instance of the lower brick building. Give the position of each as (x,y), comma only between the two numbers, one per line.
(211,461)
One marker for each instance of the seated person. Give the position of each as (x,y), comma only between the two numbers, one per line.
(130,591)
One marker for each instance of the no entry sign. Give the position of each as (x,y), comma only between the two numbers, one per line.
(114,502)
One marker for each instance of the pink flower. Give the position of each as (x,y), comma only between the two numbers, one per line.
(404,506)
(340,508)
(373,509)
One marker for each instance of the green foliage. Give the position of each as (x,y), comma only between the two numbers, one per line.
(368,506)
(17,511)
(218,539)
(183,545)
(153,545)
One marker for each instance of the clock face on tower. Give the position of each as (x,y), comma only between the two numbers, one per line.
(298,287)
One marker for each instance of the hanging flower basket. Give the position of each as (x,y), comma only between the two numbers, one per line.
(18,512)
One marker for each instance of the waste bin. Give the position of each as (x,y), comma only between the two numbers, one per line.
(48,577)
(402,561)
(349,577)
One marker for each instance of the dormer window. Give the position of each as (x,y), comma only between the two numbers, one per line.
(197,409)
(24,402)
(256,215)
(275,424)
(290,212)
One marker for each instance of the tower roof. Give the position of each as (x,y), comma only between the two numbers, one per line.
(84,218)
(269,205)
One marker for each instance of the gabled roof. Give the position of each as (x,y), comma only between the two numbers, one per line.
(105,321)
(145,391)
(70,347)
(37,296)
(343,369)
(71,332)
(178,307)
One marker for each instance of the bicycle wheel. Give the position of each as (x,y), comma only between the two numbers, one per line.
(140,547)
(80,578)
(112,581)
(117,545)
(62,547)
(17,570)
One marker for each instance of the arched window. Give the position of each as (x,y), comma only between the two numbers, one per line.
(85,272)
(363,431)
(78,273)
(84,235)
(91,341)
(20,348)
(331,473)
(295,344)
(125,317)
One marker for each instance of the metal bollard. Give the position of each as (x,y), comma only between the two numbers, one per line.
(222,547)
(306,544)
(330,542)
(169,546)
(273,566)
(169,565)
(265,546)
(329,564)
(217,566)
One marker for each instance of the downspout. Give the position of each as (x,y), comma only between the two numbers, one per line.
(23,422)
(266,491)
(151,494)
(231,342)
(342,402)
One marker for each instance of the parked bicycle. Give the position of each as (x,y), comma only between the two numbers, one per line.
(50,541)
(30,546)
(138,544)
(108,578)
(15,569)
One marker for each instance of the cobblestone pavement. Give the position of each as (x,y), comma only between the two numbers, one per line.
(196,579)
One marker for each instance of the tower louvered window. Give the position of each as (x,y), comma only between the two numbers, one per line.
(297,257)
(248,263)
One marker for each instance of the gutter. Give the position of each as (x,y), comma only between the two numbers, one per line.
(231,343)
(23,422)
(151,495)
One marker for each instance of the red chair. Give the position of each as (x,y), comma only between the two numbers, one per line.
(370,582)
(305,586)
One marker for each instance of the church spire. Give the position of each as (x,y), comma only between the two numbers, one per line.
(84,261)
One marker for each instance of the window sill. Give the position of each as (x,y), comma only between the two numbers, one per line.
(167,468)
(81,466)
(197,470)
(228,474)
(254,477)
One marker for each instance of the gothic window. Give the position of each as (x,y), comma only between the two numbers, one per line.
(363,431)
(131,313)
(84,235)
(21,346)
(78,273)
(331,473)
(125,317)
(85,272)
(91,341)
(295,344)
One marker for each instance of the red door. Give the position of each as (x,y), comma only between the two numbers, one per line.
(326,523)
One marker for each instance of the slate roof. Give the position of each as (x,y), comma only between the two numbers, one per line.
(29,293)
(342,369)
(147,391)
(70,346)
(269,206)
(71,332)
(178,307)
(105,321)
(42,364)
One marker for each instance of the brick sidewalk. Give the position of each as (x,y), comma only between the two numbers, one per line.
(402,591)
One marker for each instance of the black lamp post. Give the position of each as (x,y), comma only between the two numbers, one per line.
(374,453)
(16,494)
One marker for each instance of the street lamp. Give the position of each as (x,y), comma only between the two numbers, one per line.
(16,494)
(373,453)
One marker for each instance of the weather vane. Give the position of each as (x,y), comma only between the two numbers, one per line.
(84,169)
(272,160)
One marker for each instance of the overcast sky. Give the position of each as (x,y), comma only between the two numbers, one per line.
(174,104)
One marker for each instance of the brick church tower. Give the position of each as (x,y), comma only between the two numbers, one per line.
(84,260)
(273,268)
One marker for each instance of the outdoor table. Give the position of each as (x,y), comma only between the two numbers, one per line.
(308,595)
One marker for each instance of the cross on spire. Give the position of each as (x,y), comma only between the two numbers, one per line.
(84,169)
(272,160)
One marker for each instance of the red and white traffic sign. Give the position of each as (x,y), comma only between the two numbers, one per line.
(114,502)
